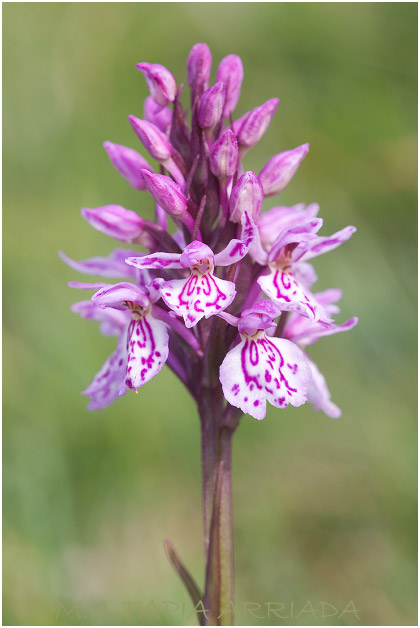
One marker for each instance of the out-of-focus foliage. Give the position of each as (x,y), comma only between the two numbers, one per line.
(324,510)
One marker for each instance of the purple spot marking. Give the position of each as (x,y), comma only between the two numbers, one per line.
(238,248)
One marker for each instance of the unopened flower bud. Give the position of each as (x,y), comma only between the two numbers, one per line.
(152,138)
(247,195)
(119,223)
(211,106)
(256,123)
(280,169)
(224,155)
(199,66)
(129,163)
(161,83)
(231,73)
(237,124)
(166,193)
(159,116)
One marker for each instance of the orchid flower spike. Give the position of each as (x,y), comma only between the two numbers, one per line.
(194,300)
(211,251)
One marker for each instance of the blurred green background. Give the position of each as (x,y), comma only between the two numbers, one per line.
(324,510)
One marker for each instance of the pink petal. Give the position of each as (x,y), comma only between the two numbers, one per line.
(201,295)
(156,260)
(119,294)
(237,249)
(305,274)
(311,332)
(196,253)
(319,395)
(283,288)
(111,321)
(108,383)
(261,369)
(272,222)
(81,285)
(147,346)
(325,244)
(302,233)
(111,266)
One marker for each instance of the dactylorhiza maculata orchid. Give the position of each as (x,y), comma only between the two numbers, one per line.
(226,300)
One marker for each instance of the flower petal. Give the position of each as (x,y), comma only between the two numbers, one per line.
(108,383)
(272,222)
(319,395)
(325,244)
(305,274)
(81,285)
(147,347)
(301,233)
(111,266)
(237,249)
(201,295)
(156,260)
(310,333)
(283,288)
(111,321)
(261,369)
(119,294)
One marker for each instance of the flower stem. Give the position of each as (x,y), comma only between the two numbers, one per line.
(219,590)
(208,408)
(217,438)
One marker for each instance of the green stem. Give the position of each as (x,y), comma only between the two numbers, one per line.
(225,572)
(208,461)
(217,504)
